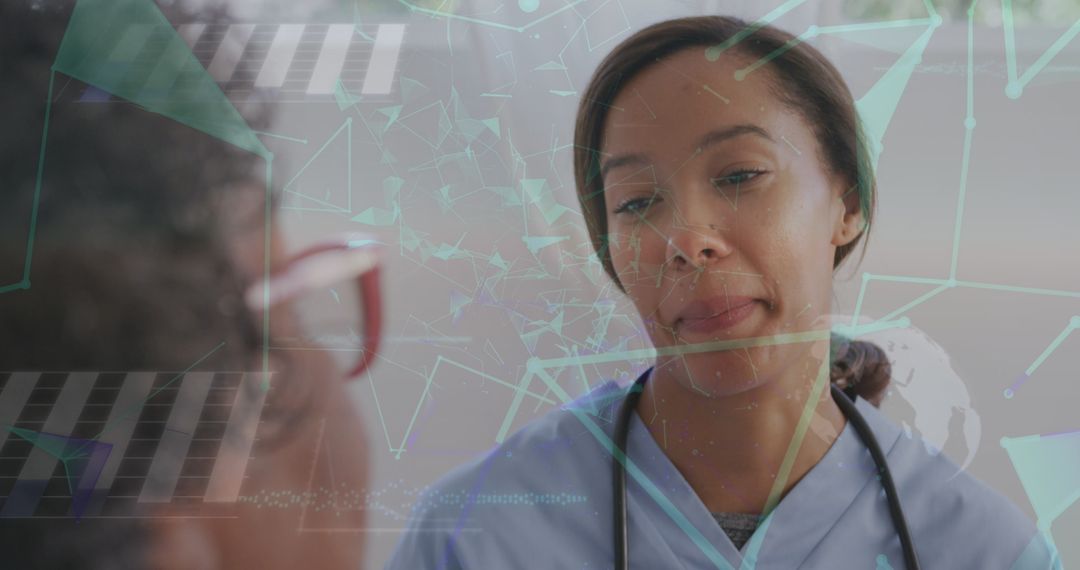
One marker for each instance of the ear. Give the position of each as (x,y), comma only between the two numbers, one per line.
(846,214)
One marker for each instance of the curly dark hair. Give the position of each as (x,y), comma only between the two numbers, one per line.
(131,265)
(132,189)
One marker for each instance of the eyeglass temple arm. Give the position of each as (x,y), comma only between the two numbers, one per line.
(371,305)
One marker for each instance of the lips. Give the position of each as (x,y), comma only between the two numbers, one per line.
(709,315)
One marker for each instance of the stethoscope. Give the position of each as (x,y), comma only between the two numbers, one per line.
(847,406)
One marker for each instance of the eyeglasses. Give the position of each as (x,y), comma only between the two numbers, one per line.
(332,289)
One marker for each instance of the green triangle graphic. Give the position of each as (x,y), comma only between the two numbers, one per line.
(89,52)
(1049,469)
(51,444)
(392,114)
(492,124)
(878,105)
(551,66)
(343,98)
(536,243)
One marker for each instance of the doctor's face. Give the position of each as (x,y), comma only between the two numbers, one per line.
(723,218)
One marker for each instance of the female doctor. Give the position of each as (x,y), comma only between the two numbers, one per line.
(721,194)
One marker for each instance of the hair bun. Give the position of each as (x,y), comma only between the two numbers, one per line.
(860,366)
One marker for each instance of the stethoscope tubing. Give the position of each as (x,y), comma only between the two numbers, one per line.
(843,401)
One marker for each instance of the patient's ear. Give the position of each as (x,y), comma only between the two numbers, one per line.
(846,215)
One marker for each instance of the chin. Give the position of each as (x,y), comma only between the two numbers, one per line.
(714,375)
(720,390)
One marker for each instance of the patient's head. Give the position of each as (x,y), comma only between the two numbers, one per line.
(128,259)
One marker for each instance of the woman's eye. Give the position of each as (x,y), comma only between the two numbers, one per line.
(737,178)
(635,205)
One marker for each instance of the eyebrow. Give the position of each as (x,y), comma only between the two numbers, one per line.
(710,138)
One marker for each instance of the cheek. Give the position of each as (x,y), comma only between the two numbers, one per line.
(637,259)
(644,295)
(806,234)
(637,250)
(794,246)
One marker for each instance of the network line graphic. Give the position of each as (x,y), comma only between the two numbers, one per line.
(1074,324)
(83,461)
(526,6)
(877,107)
(477,205)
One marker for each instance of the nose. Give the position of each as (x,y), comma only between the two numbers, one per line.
(691,247)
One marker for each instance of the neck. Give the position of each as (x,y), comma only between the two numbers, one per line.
(743,452)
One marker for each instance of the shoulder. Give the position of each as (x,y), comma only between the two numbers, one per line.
(952,514)
(537,477)
(541,447)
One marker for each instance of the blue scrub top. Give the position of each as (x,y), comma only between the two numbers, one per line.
(543,499)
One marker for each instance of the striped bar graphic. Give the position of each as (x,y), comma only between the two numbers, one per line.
(13,400)
(281,55)
(101,448)
(331,59)
(239,436)
(191,33)
(118,430)
(172,60)
(39,466)
(230,51)
(380,73)
(179,429)
(141,54)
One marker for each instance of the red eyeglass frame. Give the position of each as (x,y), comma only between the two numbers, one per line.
(303,272)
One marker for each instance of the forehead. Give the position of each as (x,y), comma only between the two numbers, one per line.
(681,97)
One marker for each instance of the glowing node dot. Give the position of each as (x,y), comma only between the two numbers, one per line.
(529,6)
(1009,393)
(969,123)
(1075,322)
(1013,90)
(740,75)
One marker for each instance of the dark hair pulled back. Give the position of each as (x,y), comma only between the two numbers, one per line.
(802,79)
